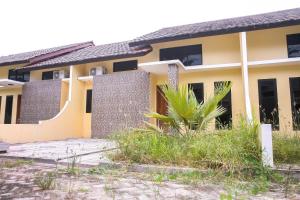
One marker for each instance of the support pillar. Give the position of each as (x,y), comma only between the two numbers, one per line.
(173,75)
(244,59)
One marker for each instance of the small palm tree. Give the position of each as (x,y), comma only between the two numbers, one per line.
(185,113)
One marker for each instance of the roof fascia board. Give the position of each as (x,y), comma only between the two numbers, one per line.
(217,32)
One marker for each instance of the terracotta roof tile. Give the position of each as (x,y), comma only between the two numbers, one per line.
(27,57)
(93,54)
(232,25)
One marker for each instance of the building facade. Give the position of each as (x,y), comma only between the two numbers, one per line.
(83,90)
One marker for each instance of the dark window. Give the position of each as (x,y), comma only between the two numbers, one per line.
(198,90)
(88,107)
(18,76)
(125,65)
(19,109)
(268,103)
(47,75)
(8,109)
(188,55)
(295,101)
(293,43)
(225,120)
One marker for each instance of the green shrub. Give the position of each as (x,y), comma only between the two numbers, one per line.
(286,148)
(228,149)
(15,163)
(186,115)
(46,180)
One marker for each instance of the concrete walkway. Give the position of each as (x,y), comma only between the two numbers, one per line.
(87,151)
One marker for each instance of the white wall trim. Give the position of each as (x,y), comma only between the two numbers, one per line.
(85,78)
(213,66)
(273,61)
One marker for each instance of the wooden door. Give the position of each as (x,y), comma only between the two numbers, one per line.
(161,105)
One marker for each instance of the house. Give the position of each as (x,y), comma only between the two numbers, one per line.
(83,90)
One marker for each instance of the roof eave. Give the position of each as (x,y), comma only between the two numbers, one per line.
(217,32)
(14,63)
(84,61)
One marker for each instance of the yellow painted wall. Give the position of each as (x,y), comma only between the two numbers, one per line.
(269,44)
(37,74)
(4,72)
(67,124)
(64,93)
(215,49)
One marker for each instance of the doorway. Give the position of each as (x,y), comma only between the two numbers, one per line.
(8,109)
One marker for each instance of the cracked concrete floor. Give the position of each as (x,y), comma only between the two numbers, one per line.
(86,149)
(17,182)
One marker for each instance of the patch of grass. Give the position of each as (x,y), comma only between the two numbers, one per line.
(73,166)
(286,148)
(230,150)
(232,157)
(227,196)
(237,184)
(83,190)
(96,171)
(15,163)
(46,180)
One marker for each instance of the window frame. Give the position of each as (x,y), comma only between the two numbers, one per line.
(183,50)
(8,109)
(229,95)
(192,85)
(88,101)
(45,74)
(295,127)
(125,68)
(260,96)
(15,75)
(287,44)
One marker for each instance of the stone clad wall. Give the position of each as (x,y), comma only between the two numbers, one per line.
(40,101)
(119,101)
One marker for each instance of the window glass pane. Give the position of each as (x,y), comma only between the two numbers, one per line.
(188,55)
(88,107)
(224,121)
(19,109)
(295,101)
(268,104)
(198,90)
(293,43)
(47,75)
(8,109)
(26,76)
(18,76)
(12,74)
(125,66)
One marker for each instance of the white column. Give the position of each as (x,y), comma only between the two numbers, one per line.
(244,59)
(265,134)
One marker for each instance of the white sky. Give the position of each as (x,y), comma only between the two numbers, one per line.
(34,24)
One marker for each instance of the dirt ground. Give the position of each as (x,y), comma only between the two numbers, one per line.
(24,179)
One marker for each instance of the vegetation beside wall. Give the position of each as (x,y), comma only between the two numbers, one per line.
(286,148)
(183,140)
(228,149)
